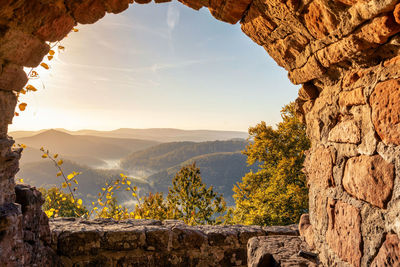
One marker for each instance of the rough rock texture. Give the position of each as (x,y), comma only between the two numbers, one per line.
(344,231)
(346,55)
(278,251)
(389,253)
(106,242)
(369,178)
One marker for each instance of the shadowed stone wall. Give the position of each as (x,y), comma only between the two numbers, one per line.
(345,53)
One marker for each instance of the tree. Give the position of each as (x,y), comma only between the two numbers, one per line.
(153,207)
(277,192)
(190,200)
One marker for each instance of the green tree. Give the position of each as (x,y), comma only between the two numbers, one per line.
(277,192)
(190,200)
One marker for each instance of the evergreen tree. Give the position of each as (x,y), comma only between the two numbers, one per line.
(191,201)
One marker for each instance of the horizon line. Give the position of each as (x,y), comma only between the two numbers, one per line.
(127,128)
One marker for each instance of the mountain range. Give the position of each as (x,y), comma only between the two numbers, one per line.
(153,163)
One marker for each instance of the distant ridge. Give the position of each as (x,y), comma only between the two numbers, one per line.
(75,146)
(152,134)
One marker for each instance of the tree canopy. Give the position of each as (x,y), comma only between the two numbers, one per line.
(277,192)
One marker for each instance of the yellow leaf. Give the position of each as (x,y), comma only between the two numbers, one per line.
(44,65)
(44,156)
(128,189)
(16,114)
(49,57)
(64,198)
(21,180)
(134,195)
(51,52)
(34,74)
(30,88)
(75,30)
(55,156)
(60,162)
(79,201)
(70,176)
(75,181)
(95,208)
(22,106)
(64,185)
(22,91)
(22,145)
(128,182)
(59,174)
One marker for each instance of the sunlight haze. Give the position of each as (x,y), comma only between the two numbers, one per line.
(157,66)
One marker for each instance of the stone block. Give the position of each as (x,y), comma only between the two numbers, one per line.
(385,104)
(277,251)
(22,49)
(319,19)
(352,98)
(369,178)
(344,231)
(12,78)
(345,132)
(319,166)
(389,253)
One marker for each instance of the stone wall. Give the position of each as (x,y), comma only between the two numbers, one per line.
(345,53)
(105,242)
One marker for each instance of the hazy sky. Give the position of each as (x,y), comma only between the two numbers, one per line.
(157,66)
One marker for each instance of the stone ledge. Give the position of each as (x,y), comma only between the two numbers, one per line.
(148,242)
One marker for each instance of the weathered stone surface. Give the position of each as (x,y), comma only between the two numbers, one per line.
(229,11)
(22,49)
(306,230)
(8,101)
(344,221)
(308,92)
(389,254)
(117,6)
(35,225)
(379,29)
(352,98)
(345,132)
(277,251)
(311,70)
(319,20)
(56,29)
(369,178)
(385,109)
(172,242)
(87,12)
(318,166)
(12,78)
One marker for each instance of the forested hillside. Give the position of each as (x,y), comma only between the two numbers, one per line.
(170,154)
(221,170)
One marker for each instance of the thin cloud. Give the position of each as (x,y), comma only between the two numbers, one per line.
(154,67)
(173,15)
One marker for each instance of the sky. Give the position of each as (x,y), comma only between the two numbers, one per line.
(157,66)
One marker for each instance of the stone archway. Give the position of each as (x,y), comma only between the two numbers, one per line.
(346,55)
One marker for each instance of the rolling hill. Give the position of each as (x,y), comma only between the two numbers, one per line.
(81,148)
(43,174)
(155,134)
(221,170)
(167,155)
